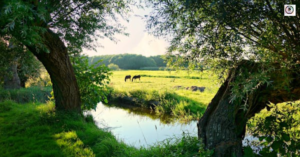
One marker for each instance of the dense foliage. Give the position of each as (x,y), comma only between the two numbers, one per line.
(130,61)
(278,130)
(75,21)
(113,66)
(92,81)
(28,67)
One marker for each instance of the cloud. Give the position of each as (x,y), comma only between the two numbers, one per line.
(138,41)
(150,46)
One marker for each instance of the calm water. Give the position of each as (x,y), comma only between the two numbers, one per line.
(139,127)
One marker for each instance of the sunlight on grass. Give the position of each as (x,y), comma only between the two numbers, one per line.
(38,130)
(162,86)
(158,83)
(72,145)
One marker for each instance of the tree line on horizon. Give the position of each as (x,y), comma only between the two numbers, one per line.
(130,61)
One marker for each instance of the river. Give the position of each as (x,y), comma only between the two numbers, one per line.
(141,128)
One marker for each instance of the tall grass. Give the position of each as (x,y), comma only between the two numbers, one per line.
(25,95)
(38,130)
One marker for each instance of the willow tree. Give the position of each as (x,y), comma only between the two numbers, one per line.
(47,27)
(252,40)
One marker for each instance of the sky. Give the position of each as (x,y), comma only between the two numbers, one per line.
(138,41)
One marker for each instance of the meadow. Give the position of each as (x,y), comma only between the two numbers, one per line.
(162,86)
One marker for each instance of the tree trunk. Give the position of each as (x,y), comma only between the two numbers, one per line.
(58,65)
(12,80)
(223,125)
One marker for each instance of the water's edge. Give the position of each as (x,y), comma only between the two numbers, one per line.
(141,127)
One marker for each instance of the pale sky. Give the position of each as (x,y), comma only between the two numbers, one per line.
(138,41)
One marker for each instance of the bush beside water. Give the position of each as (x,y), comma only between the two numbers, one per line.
(278,130)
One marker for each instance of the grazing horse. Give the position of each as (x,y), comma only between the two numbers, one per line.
(127,77)
(136,77)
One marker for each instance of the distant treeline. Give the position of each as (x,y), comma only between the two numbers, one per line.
(131,61)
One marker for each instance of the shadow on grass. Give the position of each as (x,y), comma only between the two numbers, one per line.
(37,130)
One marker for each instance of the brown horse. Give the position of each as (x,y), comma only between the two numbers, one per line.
(136,77)
(127,77)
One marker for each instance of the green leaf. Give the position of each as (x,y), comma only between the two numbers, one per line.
(286,137)
(283,124)
(248,152)
(269,139)
(261,138)
(276,145)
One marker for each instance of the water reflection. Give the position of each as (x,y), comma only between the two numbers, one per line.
(140,127)
(133,110)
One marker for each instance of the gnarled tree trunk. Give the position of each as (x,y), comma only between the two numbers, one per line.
(58,65)
(12,80)
(222,127)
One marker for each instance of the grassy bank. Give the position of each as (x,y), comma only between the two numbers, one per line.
(38,130)
(162,102)
(162,87)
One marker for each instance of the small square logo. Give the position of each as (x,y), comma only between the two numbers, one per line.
(289,10)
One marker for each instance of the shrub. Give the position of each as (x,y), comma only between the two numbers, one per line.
(92,81)
(113,67)
(278,132)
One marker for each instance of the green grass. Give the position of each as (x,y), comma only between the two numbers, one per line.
(25,95)
(157,80)
(38,130)
(159,86)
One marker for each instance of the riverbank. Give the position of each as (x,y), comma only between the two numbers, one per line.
(160,102)
(36,129)
(181,94)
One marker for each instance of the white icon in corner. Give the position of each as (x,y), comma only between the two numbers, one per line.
(289,10)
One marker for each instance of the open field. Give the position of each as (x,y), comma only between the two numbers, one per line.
(162,82)
(155,80)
